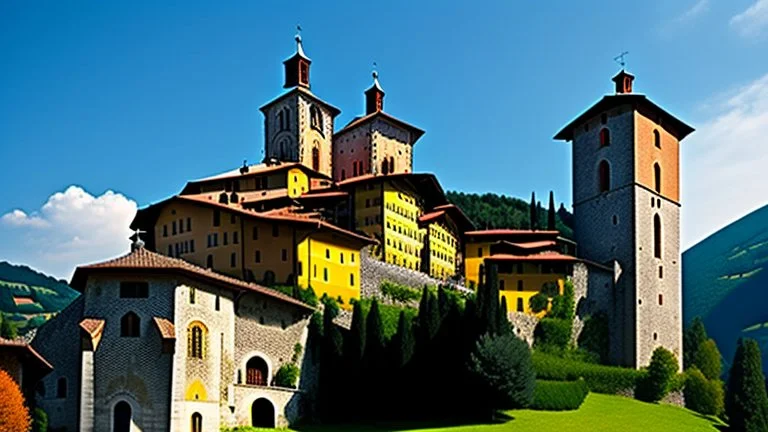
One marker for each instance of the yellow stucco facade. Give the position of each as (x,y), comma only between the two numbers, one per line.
(443,250)
(330,265)
(403,239)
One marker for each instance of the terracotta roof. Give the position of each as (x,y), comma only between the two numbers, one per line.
(548,256)
(165,327)
(143,259)
(24,346)
(428,217)
(262,195)
(92,326)
(640,102)
(496,232)
(334,111)
(458,215)
(530,245)
(418,180)
(417,133)
(329,194)
(269,215)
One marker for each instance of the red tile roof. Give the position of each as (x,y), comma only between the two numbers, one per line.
(143,259)
(298,89)
(547,256)
(92,326)
(530,245)
(498,232)
(417,133)
(165,327)
(21,345)
(330,194)
(428,217)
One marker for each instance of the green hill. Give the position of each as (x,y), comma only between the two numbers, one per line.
(490,210)
(29,298)
(725,282)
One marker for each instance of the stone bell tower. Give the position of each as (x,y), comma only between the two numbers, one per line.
(626,208)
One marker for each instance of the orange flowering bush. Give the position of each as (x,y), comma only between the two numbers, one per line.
(14,415)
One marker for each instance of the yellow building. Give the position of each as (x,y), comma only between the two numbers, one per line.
(527,261)
(276,247)
(442,248)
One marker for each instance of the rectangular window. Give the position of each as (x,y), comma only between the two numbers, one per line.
(226,239)
(215,239)
(173,229)
(192,245)
(192,295)
(235,238)
(328,254)
(255,233)
(258,256)
(189,224)
(351,279)
(341,257)
(134,289)
(232,218)
(314,270)
(284,254)
(176,249)
(275,230)
(300,270)
(325,274)
(233,260)
(217,305)
(165,230)
(170,250)
(181,226)
(519,285)
(216,218)
(479,252)
(352,257)
(520,305)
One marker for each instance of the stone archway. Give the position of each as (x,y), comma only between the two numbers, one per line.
(121,418)
(262,413)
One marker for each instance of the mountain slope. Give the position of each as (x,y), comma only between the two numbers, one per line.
(29,298)
(725,282)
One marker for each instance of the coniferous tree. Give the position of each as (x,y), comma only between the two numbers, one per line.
(708,360)
(330,368)
(354,343)
(489,308)
(374,338)
(540,216)
(693,337)
(503,326)
(402,342)
(551,224)
(746,402)
(533,217)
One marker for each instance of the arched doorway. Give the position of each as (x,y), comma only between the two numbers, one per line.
(256,371)
(262,414)
(121,420)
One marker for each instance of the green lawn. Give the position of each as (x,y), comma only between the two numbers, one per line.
(598,413)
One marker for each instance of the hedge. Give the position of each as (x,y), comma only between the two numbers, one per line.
(559,395)
(599,378)
(553,331)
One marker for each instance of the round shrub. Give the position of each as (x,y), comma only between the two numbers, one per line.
(559,395)
(702,395)
(287,376)
(660,377)
(501,366)
(553,331)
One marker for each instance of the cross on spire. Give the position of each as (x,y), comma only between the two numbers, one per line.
(620,59)
(138,243)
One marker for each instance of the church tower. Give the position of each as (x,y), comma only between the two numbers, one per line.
(626,208)
(298,126)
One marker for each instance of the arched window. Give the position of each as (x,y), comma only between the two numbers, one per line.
(604,176)
(315,118)
(316,158)
(196,339)
(605,137)
(657,177)
(129,325)
(656,138)
(656,236)
(384,167)
(121,418)
(256,371)
(197,422)
(61,388)
(354,168)
(262,414)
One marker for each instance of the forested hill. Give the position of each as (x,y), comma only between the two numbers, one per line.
(500,211)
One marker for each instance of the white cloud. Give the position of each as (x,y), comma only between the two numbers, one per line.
(753,20)
(698,8)
(72,228)
(725,162)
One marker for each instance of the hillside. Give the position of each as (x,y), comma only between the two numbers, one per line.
(726,283)
(501,211)
(29,298)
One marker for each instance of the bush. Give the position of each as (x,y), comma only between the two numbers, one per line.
(287,376)
(39,420)
(702,395)
(599,378)
(8,329)
(559,395)
(707,359)
(660,378)
(564,306)
(553,331)
(399,293)
(14,415)
(594,336)
(502,368)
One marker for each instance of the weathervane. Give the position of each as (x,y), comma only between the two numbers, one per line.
(138,243)
(620,59)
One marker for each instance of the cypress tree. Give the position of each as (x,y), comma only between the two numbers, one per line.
(503,326)
(693,337)
(533,218)
(374,336)
(490,307)
(551,225)
(433,318)
(540,215)
(403,342)
(373,372)
(442,301)
(330,371)
(746,402)
(354,343)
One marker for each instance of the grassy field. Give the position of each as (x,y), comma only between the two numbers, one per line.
(598,413)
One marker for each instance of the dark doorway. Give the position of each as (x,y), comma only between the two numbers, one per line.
(121,421)
(256,372)
(262,414)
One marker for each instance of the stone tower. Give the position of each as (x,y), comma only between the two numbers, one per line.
(626,208)
(298,126)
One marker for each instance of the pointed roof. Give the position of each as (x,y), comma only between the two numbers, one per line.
(299,50)
(304,92)
(357,121)
(147,261)
(375,86)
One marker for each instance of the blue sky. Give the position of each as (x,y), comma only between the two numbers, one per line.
(138,97)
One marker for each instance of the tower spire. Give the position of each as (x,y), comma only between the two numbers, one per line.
(297,66)
(374,96)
